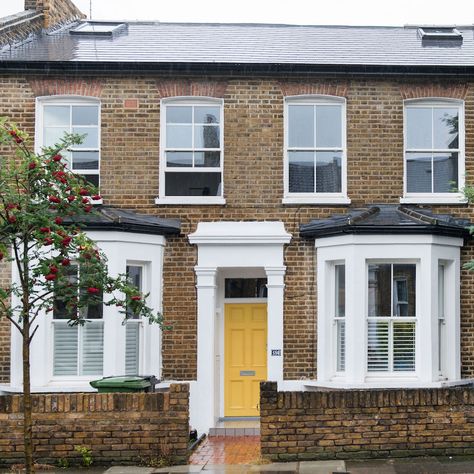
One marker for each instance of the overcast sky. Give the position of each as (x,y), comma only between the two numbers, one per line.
(317,12)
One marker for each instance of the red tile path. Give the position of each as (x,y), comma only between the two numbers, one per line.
(227,450)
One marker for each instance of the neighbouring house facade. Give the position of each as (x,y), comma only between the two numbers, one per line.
(288,195)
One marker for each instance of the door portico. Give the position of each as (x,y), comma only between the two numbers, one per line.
(234,245)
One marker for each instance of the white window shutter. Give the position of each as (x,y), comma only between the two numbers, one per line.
(378,346)
(93,348)
(65,349)
(403,346)
(132,348)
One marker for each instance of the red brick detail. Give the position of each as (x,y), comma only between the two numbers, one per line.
(130,104)
(122,428)
(190,87)
(325,88)
(452,91)
(81,87)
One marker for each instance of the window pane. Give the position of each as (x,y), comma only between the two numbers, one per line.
(341,346)
(328,126)
(135,277)
(206,136)
(404,290)
(132,348)
(380,290)
(207,159)
(193,184)
(85,115)
(206,114)
(245,288)
(93,348)
(85,160)
(65,349)
(94,311)
(445,172)
(445,122)
(378,346)
(418,172)
(328,172)
(176,114)
(301,172)
(340,274)
(301,126)
(91,138)
(179,158)
(179,136)
(56,115)
(403,347)
(441,291)
(92,179)
(419,129)
(62,308)
(53,136)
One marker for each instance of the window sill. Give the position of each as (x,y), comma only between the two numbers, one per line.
(197,201)
(401,383)
(338,200)
(457,199)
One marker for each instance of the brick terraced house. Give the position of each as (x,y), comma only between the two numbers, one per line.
(287,194)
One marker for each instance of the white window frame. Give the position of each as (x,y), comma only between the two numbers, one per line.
(197,200)
(139,321)
(69,100)
(316,198)
(80,336)
(392,319)
(435,198)
(357,251)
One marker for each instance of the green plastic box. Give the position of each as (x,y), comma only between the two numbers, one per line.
(125,383)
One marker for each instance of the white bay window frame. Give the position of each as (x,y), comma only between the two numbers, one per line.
(433,197)
(189,101)
(120,249)
(357,251)
(315,197)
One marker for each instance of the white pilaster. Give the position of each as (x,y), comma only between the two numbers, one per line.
(276,286)
(206,328)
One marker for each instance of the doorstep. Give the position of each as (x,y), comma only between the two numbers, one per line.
(236,427)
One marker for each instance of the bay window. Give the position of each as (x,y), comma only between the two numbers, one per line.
(387,310)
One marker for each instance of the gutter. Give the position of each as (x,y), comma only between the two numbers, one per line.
(232,69)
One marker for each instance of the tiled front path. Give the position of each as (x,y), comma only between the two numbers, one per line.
(227,450)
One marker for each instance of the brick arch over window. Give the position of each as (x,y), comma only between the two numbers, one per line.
(188,88)
(77,87)
(303,88)
(418,91)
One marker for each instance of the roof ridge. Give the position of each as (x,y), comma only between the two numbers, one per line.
(418,215)
(363,215)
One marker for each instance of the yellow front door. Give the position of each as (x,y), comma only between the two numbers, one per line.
(245,357)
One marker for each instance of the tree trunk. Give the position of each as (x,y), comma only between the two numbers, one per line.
(27,409)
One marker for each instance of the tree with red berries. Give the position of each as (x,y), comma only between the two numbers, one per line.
(41,204)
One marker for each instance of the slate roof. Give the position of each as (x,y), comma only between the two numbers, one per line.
(111,218)
(240,44)
(387,219)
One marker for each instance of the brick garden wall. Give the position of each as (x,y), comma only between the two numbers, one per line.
(119,428)
(347,424)
(253,179)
